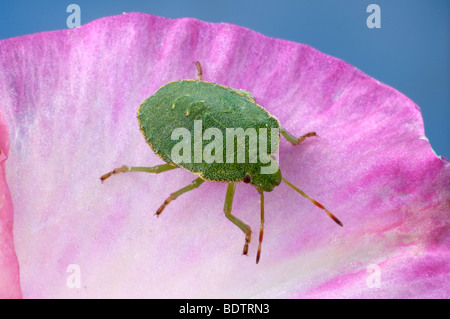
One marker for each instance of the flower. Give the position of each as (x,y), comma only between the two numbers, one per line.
(69,99)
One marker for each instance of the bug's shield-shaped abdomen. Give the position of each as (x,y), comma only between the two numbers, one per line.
(208,129)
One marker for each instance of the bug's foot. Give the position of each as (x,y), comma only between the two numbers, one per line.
(302,138)
(258,255)
(247,241)
(199,71)
(122,169)
(161,208)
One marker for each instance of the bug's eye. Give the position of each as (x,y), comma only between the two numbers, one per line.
(247,179)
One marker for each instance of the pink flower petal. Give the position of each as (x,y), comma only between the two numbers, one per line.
(9,266)
(70,99)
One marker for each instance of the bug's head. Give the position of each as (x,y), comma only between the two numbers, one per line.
(265,181)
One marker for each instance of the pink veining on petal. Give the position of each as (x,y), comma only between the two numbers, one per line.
(70,99)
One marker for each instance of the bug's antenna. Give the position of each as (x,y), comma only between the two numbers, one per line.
(261,231)
(313,201)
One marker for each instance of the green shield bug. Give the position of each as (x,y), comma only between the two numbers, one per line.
(181,115)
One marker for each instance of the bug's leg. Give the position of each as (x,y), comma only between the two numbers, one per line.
(123,169)
(313,201)
(294,140)
(239,223)
(199,71)
(195,183)
(261,231)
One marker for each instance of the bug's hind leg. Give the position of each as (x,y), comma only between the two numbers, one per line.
(239,223)
(123,169)
(294,140)
(195,183)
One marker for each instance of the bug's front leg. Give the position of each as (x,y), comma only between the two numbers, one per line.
(294,140)
(239,223)
(124,169)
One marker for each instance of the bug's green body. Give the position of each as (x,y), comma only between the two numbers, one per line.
(177,104)
(186,103)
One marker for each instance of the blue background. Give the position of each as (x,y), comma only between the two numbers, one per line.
(410,52)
